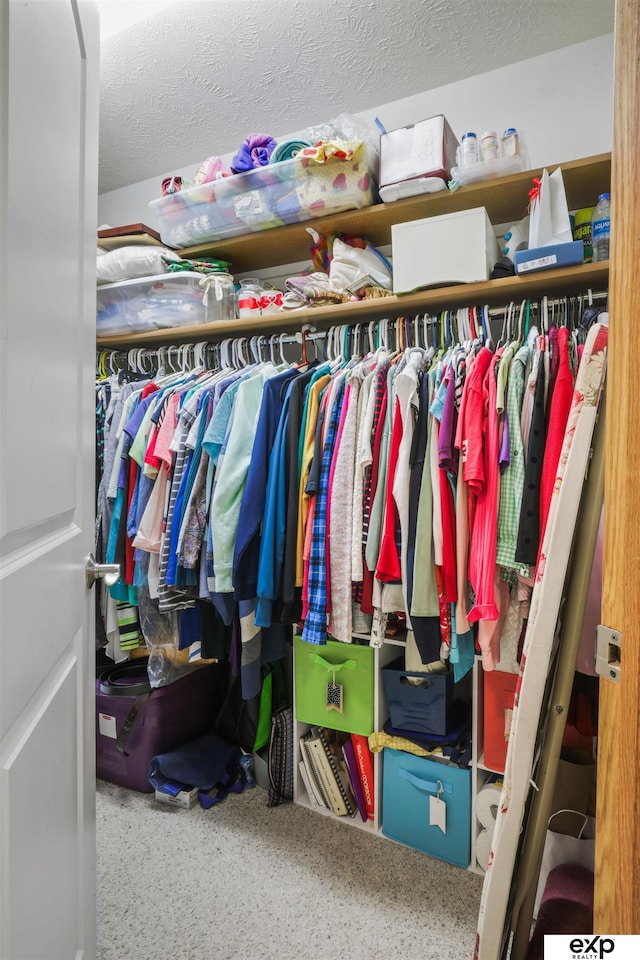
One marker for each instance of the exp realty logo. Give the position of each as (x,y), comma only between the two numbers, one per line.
(594,948)
(589,946)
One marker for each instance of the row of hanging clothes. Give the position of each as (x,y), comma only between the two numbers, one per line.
(398,479)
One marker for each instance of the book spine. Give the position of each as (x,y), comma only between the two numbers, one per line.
(307,783)
(329,781)
(314,776)
(336,773)
(364,761)
(354,776)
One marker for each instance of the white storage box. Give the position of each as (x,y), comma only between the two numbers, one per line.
(150,303)
(455,248)
(185,799)
(269,196)
(416,159)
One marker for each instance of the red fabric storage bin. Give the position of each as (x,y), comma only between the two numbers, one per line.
(499,693)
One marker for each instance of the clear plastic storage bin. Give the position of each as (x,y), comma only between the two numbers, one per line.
(269,196)
(150,303)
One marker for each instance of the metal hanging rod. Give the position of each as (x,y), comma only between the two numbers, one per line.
(554,302)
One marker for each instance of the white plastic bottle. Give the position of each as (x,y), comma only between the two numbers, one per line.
(601,228)
(489,146)
(510,143)
(468,150)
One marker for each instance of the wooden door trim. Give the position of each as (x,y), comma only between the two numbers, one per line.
(617,871)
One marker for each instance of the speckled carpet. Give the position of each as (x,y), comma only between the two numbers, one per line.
(245,882)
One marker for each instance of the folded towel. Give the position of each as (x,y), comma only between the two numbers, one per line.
(212,169)
(287,150)
(254,152)
(312,288)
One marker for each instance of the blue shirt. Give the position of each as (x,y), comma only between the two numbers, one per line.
(273,524)
(247,547)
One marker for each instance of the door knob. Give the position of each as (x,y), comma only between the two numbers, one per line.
(109,572)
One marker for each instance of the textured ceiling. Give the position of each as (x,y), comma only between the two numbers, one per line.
(198,76)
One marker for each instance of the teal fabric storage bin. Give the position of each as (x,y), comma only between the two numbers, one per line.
(347,664)
(408,782)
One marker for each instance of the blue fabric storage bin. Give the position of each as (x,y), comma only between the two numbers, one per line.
(426,708)
(407,784)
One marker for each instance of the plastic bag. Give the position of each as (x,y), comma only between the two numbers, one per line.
(346,126)
(350,265)
(160,631)
(127,263)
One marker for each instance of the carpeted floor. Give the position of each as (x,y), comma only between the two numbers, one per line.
(245,882)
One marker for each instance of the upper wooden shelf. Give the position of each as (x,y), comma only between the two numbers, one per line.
(494,293)
(505,200)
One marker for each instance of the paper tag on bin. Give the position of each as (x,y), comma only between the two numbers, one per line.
(438,811)
(335,694)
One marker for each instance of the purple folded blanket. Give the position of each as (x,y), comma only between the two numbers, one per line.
(254,152)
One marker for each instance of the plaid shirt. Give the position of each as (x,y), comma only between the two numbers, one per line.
(512,480)
(315,624)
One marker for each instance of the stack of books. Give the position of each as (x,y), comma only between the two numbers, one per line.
(337,771)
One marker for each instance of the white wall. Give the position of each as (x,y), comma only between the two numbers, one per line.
(561,102)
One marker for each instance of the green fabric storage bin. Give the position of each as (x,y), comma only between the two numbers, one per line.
(314,667)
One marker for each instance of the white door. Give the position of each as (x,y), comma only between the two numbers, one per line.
(48,201)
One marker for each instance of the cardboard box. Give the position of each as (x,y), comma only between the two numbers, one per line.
(185,799)
(549,258)
(416,159)
(438,251)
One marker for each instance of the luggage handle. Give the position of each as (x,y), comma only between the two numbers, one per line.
(129,720)
(336,667)
(131,668)
(426,786)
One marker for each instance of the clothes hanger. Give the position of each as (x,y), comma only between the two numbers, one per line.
(520,319)
(225,359)
(101,365)
(484,330)
(544,316)
(200,353)
(281,342)
(301,337)
(398,334)
(371,333)
(185,360)
(254,344)
(426,322)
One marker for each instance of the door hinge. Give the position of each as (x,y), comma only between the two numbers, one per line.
(608,653)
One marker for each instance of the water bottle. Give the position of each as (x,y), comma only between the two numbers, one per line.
(601,228)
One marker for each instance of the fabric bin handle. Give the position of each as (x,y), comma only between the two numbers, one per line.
(426,786)
(336,667)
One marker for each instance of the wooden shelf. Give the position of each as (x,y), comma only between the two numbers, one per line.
(505,200)
(494,293)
